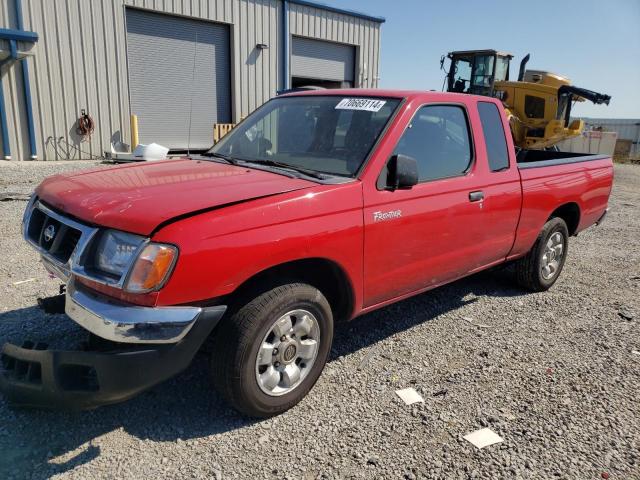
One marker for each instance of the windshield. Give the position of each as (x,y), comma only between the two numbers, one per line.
(482,74)
(325,134)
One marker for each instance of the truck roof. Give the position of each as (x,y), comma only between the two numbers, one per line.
(382,93)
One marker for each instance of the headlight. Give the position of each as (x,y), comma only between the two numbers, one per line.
(115,251)
(152,268)
(147,265)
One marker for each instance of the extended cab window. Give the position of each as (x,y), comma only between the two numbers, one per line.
(438,138)
(494,138)
(327,134)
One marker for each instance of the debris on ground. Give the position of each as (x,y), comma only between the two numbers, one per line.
(483,438)
(625,314)
(472,322)
(52,305)
(11,196)
(409,396)
(28,280)
(365,361)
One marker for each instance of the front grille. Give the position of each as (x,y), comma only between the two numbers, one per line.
(54,237)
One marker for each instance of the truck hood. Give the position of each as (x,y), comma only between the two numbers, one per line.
(138,198)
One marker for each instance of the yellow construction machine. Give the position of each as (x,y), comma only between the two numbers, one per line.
(538,103)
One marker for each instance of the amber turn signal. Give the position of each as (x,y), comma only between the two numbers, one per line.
(151,268)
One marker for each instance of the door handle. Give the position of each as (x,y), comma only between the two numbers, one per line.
(476,196)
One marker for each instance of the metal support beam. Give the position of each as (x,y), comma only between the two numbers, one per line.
(15,36)
(27,86)
(286,53)
(18,35)
(4,131)
(6,148)
(29,108)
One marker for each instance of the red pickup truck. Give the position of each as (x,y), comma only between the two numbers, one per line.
(317,208)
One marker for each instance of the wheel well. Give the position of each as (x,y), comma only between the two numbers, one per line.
(570,213)
(325,275)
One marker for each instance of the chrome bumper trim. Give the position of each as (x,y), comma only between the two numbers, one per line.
(127,323)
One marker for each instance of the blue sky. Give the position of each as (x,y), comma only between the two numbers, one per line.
(595,43)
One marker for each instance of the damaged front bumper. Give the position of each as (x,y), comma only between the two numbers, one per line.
(126,323)
(33,376)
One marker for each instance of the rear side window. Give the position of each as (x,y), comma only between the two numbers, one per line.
(438,138)
(494,138)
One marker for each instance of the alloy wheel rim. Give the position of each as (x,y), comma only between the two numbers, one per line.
(287,352)
(552,256)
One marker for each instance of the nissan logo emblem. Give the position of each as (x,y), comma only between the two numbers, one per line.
(289,353)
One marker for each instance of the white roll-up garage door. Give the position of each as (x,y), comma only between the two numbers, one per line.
(165,88)
(322,60)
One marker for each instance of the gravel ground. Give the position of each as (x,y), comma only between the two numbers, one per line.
(553,373)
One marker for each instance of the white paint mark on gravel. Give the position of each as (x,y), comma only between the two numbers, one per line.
(28,280)
(483,438)
(472,322)
(409,396)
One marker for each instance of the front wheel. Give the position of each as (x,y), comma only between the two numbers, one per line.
(541,267)
(270,352)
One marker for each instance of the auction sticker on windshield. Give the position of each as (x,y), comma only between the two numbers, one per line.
(366,104)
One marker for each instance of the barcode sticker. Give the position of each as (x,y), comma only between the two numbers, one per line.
(365,104)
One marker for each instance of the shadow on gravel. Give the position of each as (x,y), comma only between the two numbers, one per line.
(381,324)
(38,444)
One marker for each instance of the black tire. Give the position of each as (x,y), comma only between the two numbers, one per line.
(238,339)
(529,268)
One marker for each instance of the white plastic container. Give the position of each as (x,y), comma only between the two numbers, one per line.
(150,152)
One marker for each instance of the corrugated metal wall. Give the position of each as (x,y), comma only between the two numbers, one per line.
(80,62)
(314,22)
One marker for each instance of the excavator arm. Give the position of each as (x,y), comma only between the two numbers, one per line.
(595,97)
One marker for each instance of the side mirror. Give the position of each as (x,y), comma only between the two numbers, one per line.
(403,172)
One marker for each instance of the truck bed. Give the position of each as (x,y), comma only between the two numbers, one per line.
(545,158)
(550,179)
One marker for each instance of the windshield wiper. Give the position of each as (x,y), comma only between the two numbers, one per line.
(274,163)
(226,158)
(269,163)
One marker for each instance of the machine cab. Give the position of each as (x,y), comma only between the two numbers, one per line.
(476,71)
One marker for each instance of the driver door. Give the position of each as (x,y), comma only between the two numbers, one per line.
(428,235)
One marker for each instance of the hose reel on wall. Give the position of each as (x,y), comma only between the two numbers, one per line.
(86,125)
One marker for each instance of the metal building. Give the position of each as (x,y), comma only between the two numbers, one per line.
(628,131)
(165,61)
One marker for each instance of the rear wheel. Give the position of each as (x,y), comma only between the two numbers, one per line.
(541,267)
(270,352)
